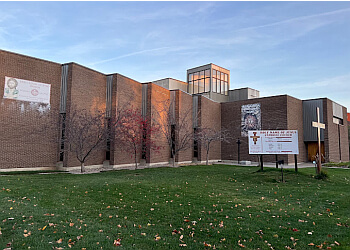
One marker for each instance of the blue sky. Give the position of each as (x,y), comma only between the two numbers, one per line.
(296,48)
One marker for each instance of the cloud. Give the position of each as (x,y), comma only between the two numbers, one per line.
(131,54)
(265,36)
(296,19)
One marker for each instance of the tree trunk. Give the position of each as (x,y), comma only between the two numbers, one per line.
(135,156)
(82,167)
(208,154)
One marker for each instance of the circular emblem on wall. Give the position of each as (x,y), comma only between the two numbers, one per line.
(35,92)
(12,83)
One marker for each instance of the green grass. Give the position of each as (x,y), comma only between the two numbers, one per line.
(337,164)
(211,206)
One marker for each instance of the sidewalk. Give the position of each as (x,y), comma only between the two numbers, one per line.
(268,164)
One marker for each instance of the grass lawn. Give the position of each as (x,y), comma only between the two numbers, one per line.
(198,207)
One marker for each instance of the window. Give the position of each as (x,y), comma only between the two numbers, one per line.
(190,87)
(195,87)
(214,85)
(207,85)
(201,86)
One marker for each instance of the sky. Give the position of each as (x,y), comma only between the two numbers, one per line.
(297,48)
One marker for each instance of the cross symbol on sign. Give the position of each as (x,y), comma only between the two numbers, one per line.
(255,137)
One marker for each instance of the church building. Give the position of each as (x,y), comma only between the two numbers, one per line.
(36,92)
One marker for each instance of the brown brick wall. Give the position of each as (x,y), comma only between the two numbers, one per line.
(87,90)
(184,101)
(21,144)
(295,122)
(157,96)
(273,117)
(127,93)
(210,117)
(332,137)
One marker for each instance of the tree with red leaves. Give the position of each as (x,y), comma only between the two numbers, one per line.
(134,134)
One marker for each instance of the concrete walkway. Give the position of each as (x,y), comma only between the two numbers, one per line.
(268,164)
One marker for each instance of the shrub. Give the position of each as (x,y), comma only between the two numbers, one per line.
(322,176)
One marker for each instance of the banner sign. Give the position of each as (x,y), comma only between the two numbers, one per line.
(273,142)
(24,90)
(250,118)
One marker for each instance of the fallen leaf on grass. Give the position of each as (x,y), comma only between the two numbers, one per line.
(59,241)
(117,243)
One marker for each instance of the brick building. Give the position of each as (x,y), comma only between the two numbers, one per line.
(206,94)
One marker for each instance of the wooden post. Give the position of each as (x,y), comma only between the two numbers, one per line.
(239,155)
(296,163)
(276,161)
(261,163)
(319,125)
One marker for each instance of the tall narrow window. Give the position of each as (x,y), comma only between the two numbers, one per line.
(195,145)
(195,87)
(214,85)
(200,85)
(173,138)
(206,85)
(63,136)
(108,146)
(190,87)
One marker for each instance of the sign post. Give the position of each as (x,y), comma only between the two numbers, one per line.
(319,126)
(239,144)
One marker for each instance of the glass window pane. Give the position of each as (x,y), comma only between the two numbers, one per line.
(226,88)
(226,78)
(201,74)
(207,73)
(201,86)
(190,87)
(218,83)
(214,73)
(222,87)
(195,76)
(190,77)
(195,87)
(214,85)
(222,76)
(206,85)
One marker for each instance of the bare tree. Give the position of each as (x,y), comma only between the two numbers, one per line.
(135,132)
(84,133)
(177,130)
(208,135)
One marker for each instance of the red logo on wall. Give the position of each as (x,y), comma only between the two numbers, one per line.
(35,92)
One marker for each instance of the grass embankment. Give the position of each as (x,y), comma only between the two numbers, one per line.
(337,164)
(198,207)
